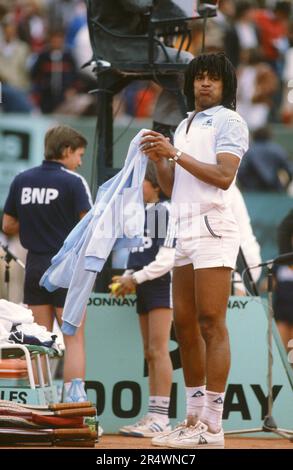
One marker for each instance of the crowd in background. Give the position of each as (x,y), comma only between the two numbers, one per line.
(44,43)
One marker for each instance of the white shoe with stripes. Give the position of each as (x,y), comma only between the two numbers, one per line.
(148,426)
(197,437)
(162,439)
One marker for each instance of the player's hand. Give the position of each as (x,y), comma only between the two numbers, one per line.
(156,146)
(122,285)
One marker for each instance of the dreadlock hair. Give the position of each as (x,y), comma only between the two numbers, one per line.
(216,65)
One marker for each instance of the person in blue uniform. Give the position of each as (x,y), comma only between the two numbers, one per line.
(148,272)
(43,205)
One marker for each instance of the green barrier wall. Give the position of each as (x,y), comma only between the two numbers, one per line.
(266,212)
(116,375)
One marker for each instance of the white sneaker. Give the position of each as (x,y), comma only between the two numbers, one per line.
(126,430)
(197,437)
(162,439)
(148,426)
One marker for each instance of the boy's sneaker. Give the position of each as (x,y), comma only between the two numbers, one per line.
(148,426)
(126,430)
(197,437)
(162,439)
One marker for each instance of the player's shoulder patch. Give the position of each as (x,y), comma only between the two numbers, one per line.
(229,116)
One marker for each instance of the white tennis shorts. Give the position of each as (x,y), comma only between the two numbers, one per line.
(208,240)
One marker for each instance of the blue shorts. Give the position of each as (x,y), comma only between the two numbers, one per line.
(36,265)
(154,294)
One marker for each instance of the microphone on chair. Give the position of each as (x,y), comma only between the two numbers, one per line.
(10,255)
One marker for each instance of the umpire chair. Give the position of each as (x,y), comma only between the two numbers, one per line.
(120,58)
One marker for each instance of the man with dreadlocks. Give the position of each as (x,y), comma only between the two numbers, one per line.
(208,147)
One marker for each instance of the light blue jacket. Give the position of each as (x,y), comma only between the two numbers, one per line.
(115,221)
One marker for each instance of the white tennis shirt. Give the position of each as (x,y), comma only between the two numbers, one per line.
(212,131)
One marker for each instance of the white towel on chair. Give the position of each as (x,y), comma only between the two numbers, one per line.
(14,313)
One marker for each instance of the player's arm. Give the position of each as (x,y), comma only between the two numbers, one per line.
(220,174)
(162,264)
(10,225)
(82,214)
(232,142)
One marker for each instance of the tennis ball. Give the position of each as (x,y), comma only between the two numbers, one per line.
(114,287)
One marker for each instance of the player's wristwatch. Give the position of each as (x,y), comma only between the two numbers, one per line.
(177,155)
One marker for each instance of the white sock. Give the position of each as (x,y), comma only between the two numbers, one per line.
(159,408)
(195,401)
(152,405)
(213,411)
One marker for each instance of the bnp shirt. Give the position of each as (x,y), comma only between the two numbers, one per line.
(47,201)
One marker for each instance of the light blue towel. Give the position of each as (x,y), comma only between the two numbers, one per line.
(115,221)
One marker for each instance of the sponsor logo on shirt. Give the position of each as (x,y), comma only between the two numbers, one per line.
(235,120)
(38,195)
(207,123)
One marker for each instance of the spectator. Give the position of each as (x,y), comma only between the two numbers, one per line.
(265,166)
(32,25)
(287,105)
(273,27)
(54,74)
(78,21)
(14,55)
(14,77)
(14,100)
(243,35)
(219,26)
(257,83)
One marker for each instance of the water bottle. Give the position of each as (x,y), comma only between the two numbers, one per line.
(76,391)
